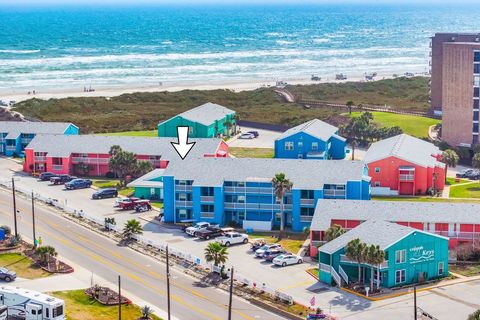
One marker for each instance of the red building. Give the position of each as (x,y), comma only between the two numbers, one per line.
(404,165)
(460,222)
(89,154)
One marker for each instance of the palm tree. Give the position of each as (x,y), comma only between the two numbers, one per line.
(333,232)
(450,158)
(44,253)
(281,186)
(216,253)
(474,316)
(374,256)
(228,125)
(143,167)
(131,227)
(476,160)
(235,119)
(355,250)
(349,105)
(146,312)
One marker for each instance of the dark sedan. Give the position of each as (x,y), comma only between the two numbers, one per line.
(7,275)
(105,193)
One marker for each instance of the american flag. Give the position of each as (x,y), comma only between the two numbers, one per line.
(312,301)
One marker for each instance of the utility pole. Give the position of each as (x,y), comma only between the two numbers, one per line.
(119,299)
(33,220)
(415,302)
(14,207)
(230,296)
(168,286)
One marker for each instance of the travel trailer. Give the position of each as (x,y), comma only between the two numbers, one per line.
(31,305)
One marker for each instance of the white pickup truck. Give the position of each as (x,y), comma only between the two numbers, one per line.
(197,227)
(232,238)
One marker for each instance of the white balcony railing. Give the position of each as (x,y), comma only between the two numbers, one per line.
(180,203)
(336,277)
(88,160)
(26,140)
(333,193)
(207,215)
(343,274)
(324,267)
(308,202)
(406,177)
(306,218)
(345,259)
(256,206)
(57,167)
(10,148)
(206,198)
(459,235)
(40,158)
(182,187)
(257,190)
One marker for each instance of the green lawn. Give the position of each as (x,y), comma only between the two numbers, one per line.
(251,152)
(291,245)
(145,133)
(412,125)
(423,199)
(22,265)
(79,306)
(470,190)
(127,192)
(105,183)
(157,204)
(453,181)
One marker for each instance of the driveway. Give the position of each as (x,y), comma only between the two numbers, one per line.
(265,139)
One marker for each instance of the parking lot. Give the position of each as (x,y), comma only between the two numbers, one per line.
(265,139)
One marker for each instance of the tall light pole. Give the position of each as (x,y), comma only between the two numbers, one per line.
(119,299)
(415,302)
(168,286)
(33,220)
(230,296)
(14,207)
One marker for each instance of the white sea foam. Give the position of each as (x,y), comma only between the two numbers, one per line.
(19,51)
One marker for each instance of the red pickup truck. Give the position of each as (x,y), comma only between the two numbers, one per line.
(131,203)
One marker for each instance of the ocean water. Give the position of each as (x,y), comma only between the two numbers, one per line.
(73,47)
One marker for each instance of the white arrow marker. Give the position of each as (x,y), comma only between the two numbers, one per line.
(182,147)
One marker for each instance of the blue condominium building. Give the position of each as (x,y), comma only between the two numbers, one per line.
(16,135)
(314,139)
(239,190)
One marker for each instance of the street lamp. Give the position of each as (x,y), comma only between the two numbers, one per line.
(14,207)
(33,220)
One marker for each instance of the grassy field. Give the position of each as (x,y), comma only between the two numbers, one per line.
(105,183)
(251,152)
(145,133)
(470,190)
(453,181)
(424,199)
(143,111)
(406,94)
(291,245)
(80,307)
(467,270)
(412,125)
(22,265)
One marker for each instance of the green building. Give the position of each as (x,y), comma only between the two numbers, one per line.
(411,255)
(149,186)
(209,120)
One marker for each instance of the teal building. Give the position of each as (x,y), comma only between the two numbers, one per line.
(411,256)
(209,120)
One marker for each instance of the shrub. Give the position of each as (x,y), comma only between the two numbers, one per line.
(468,252)
(110,175)
(14,240)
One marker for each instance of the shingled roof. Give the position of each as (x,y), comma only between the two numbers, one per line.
(206,114)
(316,128)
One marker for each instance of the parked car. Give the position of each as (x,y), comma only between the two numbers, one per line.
(119,201)
(287,259)
(246,136)
(61,179)
(474,175)
(230,238)
(132,203)
(260,251)
(464,173)
(7,275)
(197,227)
(271,254)
(143,207)
(105,193)
(255,133)
(46,176)
(209,232)
(78,184)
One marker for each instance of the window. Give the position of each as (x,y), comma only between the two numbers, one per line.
(475,115)
(240,184)
(182,213)
(307,212)
(57,311)
(476,68)
(375,275)
(300,156)
(314,146)
(47,311)
(377,183)
(476,103)
(400,256)
(476,56)
(300,144)
(440,268)
(377,169)
(400,276)
(34,312)
(476,81)
(475,127)
(241,215)
(288,145)
(476,92)
(182,196)
(241,199)
(307,194)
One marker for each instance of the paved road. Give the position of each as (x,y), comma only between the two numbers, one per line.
(141,275)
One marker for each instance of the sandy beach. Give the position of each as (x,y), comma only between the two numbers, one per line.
(14,95)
